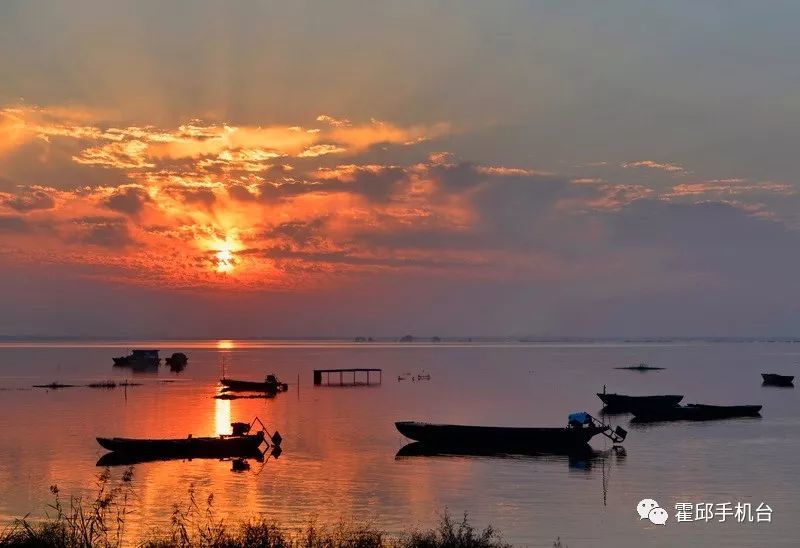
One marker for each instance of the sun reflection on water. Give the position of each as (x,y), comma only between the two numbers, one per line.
(222,417)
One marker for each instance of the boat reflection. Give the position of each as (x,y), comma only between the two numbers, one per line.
(579,459)
(126,459)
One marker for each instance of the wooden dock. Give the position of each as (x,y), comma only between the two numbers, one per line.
(327,372)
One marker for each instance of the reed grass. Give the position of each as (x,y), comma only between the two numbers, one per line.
(100,522)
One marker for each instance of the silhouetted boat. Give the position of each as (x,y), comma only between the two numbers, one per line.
(239,443)
(54,385)
(774,379)
(640,367)
(696,412)
(139,359)
(177,362)
(222,446)
(270,385)
(621,402)
(582,427)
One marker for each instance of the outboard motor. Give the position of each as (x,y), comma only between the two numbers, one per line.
(239,428)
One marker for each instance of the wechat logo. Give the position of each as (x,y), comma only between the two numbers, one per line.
(649,509)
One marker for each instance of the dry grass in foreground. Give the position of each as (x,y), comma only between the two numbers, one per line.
(101,523)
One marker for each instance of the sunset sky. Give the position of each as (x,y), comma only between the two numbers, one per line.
(241,169)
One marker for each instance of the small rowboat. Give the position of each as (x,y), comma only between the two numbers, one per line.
(774,379)
(696,412)
(621,402)
(509,439)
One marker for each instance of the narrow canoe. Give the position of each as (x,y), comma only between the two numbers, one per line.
(621,402)
(223,446)
(775,379)
(498,438)
(696,412)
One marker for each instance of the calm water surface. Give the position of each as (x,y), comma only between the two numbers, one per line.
(340,443)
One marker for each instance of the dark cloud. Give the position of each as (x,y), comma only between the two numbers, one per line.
(32,200)
(300,232)
(108,232)
(202,196)
(349,257)
(129,200)
(14,224)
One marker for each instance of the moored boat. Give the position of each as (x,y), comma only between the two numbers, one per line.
(582,427)
(624,403)
(774,379)
(222,446)
(139,359)
(696,412)
(640,367)
(239,443)
(269,385)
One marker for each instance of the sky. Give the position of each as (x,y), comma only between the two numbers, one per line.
(291,169)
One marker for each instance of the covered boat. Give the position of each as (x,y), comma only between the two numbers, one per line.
(139,358)
(581,428)
(622,402)
(774,379)
(696,412)
(269,385)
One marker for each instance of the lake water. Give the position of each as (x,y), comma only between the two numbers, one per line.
(339,451)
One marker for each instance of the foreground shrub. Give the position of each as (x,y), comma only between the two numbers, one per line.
(100,523)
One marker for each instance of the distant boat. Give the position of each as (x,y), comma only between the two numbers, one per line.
(576,436)
(139,359)
(177,362)
(623,403)
(270,385)
(696,412)
(640,367)
(54,385)
(774,379)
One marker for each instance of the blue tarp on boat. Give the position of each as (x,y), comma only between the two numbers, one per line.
(579,418)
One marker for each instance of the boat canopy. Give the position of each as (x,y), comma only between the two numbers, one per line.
(581,417)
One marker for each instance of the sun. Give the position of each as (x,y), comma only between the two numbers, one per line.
(225,255)
(224,261)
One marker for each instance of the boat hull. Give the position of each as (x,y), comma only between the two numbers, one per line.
(495,438)
(228,446)
(773,379)
(621,402)
(252,386)
(697,412)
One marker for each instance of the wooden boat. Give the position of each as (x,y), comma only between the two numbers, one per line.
(269,385)
(696,412)
(190,447)
(509,439)
(774,379)
(239,443)
(621,402)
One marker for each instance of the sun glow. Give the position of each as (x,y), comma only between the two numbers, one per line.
(225,254)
